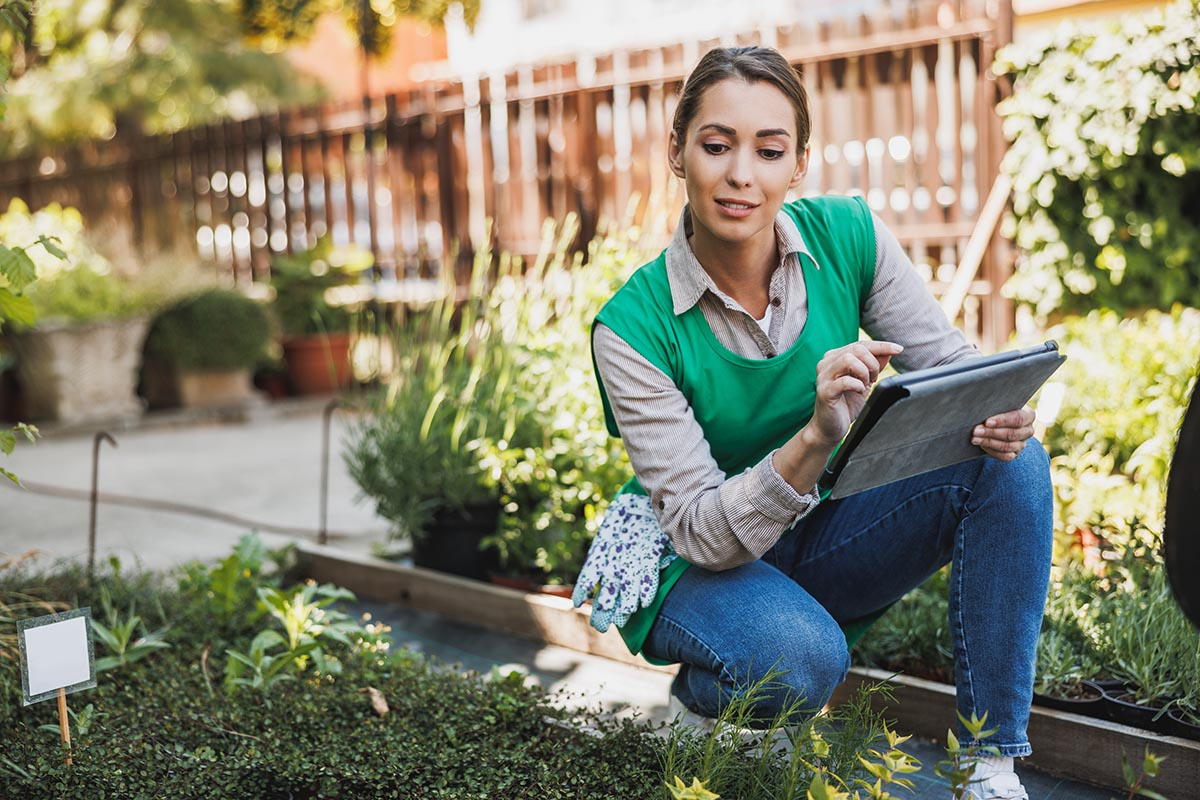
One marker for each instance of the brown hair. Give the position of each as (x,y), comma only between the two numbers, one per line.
(750,64)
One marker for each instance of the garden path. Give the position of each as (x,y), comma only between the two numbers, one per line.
(262,471)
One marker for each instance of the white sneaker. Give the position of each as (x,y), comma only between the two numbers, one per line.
(682,715)
(994,779)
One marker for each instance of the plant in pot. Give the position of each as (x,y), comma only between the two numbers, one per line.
(315,332)
(200,351)
(560,468)
(79,362)
(417,451)
(1154,649)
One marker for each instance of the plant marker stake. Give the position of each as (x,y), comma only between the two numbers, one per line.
(64,722)
(326,418)
(101,435)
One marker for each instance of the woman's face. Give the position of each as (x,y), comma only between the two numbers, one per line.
(739,160)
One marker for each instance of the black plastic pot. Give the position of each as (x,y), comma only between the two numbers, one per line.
(451,542)
(1091,704)
(1120,708)
(1181,727)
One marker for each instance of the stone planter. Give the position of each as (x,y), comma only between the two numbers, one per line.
(81,373)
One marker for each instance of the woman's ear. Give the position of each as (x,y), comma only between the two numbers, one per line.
(675,155)
(801,169)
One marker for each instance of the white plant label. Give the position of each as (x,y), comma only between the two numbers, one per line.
(56,653)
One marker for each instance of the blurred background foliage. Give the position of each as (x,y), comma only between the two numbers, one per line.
(1105,162)
(95,69)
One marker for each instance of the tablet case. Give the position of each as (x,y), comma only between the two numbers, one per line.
(922,420)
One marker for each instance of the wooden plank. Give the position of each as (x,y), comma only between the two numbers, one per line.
(540,618)
(1068,745)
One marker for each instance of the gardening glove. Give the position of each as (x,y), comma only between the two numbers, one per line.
(620,573)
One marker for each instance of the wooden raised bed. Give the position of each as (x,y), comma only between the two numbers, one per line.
(1069,745)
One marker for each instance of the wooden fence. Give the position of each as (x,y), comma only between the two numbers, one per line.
(903,114)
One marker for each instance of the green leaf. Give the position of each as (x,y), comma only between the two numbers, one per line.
(50,244)
(1151,764)
(10,475)
(29,431)
(17,267)
(107,663)
(1153,795)
(8,442)
(17,308)
(1130,777)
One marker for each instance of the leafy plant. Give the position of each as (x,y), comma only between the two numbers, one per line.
(303,284)
(218,329)
(1105,163)
(959,767)
(1151,764)
(125,649)
(8,443)
(75,283)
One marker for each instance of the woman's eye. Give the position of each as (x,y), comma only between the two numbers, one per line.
(771,155)
(714,148)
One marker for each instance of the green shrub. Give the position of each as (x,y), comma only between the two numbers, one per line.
(218,329)
(1105,162)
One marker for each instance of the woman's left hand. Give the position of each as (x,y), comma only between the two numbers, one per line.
(1004,436)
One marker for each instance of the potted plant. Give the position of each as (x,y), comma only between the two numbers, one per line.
(78,363)
(200,351)
(417,452)
(315,332)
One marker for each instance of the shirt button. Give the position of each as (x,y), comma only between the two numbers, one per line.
(776,302)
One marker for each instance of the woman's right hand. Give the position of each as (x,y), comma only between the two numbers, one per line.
(844,379)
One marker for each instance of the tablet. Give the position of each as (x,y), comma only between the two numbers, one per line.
(922,420)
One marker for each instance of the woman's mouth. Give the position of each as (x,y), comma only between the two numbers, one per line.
(736,209)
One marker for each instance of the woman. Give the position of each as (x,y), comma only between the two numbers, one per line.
(731,367)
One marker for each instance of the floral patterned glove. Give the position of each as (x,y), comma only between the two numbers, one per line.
(622,565)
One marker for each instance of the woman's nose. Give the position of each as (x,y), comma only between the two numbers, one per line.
(740,173)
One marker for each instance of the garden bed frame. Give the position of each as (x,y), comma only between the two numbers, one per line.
(1069,745)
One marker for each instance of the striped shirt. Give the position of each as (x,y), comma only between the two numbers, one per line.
(718,522)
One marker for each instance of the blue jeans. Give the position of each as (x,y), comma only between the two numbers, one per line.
(993,521)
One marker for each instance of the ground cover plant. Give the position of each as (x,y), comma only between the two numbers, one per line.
(236,680)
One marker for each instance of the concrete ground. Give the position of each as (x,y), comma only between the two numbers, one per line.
(180,487)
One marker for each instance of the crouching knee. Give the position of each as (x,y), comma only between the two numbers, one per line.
(796,688)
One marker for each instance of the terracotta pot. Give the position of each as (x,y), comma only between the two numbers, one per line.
(318,364)
(451,543)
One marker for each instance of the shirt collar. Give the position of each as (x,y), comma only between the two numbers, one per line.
(687,278)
